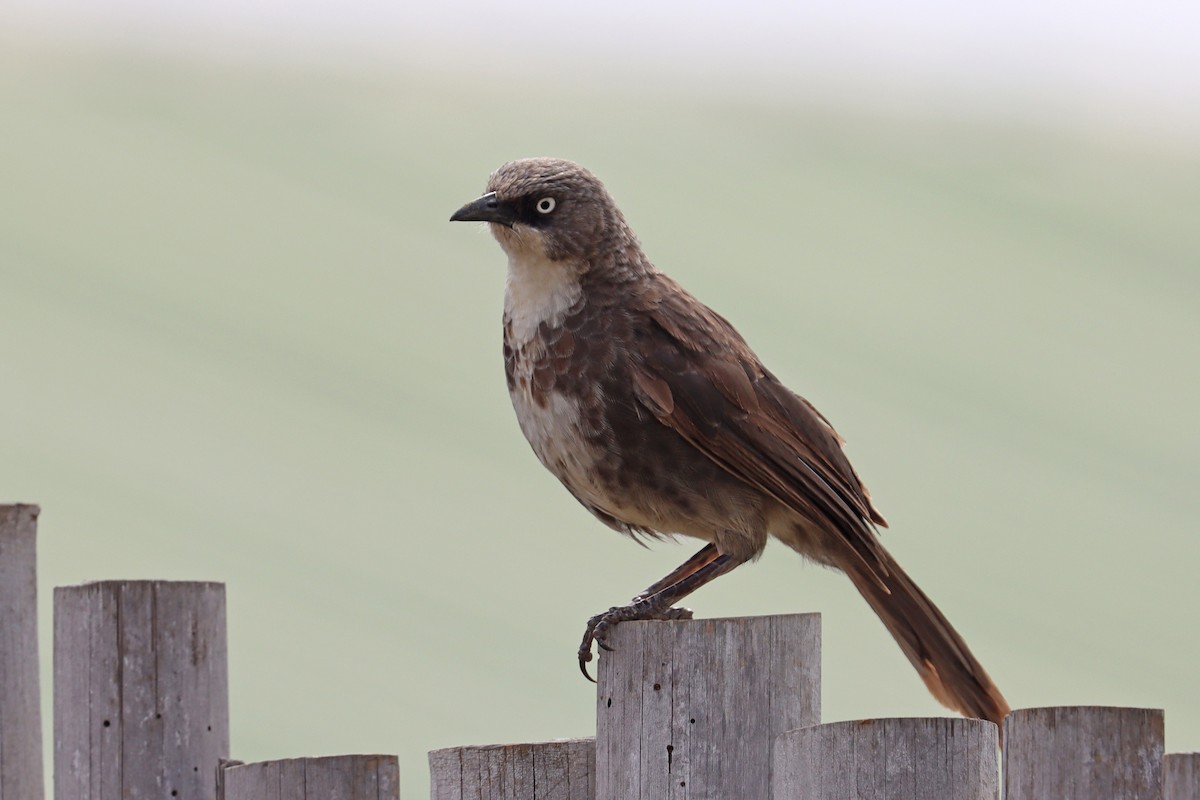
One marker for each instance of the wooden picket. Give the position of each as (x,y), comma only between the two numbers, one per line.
(725,709)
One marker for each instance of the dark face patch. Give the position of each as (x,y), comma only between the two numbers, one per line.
(562,201)
(539,212)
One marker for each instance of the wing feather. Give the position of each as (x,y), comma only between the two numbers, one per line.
(697,376)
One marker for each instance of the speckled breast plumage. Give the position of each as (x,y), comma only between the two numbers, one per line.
(571,390)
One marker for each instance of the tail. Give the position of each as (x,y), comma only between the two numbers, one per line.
(941,657)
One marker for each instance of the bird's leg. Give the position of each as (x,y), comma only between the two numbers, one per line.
(703,558)
(657,605)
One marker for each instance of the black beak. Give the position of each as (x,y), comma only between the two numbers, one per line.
(486,209)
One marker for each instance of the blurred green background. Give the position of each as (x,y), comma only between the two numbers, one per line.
(241,342)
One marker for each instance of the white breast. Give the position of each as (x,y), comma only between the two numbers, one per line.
(556,437)
(538,290)
(542,291)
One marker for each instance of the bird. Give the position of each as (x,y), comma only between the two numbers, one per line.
(656,415)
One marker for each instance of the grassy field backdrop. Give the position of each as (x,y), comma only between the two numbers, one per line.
(241,342)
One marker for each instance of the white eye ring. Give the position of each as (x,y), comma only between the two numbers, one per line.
(545,205)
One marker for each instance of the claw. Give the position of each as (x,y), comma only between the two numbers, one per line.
(655,602)
(584,658)
(598,627)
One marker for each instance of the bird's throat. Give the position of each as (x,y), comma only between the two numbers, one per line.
(538,291)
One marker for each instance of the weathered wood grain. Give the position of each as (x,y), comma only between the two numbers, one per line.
(141,698)
(559,770)
(937,758)
(20,693)
(1083,753)
(690,708)
(1181,776)
(352,777)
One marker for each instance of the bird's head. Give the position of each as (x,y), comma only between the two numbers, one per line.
(546,208)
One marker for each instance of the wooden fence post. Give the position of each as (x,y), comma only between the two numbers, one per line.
(690,708)
(561,770)
(356,777)
(141,698)
(1181,776)
(20,695)
(936,758)
(1083,753)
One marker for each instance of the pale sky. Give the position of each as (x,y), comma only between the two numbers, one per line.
(1141,56)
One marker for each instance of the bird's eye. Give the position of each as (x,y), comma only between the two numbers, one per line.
(545,205)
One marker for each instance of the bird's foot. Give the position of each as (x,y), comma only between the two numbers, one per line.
(598,627)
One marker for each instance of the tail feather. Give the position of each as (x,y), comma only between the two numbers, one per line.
(941,657)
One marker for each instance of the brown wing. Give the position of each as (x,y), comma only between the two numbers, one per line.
(700,378)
